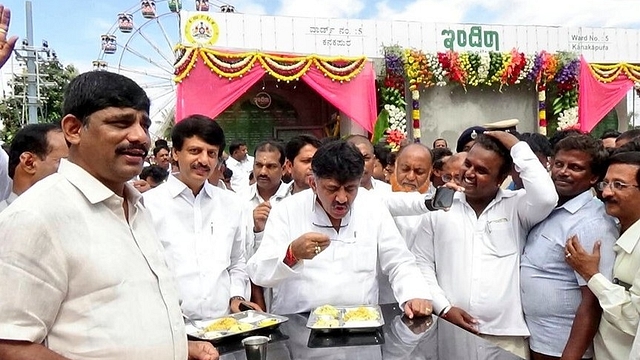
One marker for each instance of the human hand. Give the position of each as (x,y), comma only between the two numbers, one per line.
(309,245)
(459,317)
(260,215)
(141,185)
(6,46)
(234,305)
(581,261)
(202,350)
(507,139)
(417,308)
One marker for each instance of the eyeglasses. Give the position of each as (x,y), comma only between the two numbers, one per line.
(448,177)
(615,185)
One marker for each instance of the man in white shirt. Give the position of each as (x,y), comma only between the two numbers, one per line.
(83,276)
(241,164)
(162,157)
(201,227)
(326,245)
(267,191)
(366,149)
(413,169)
(34,154)
(300,150)
(471,254)
(619,298)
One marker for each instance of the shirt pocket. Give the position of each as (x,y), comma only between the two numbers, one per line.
(500,239)
(364,257)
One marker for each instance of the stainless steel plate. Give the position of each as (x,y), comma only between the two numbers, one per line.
(340,319)
(245,323)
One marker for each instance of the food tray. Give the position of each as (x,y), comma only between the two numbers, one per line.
(245,323)
(339,319)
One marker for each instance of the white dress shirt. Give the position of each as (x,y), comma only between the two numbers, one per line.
(203,237)
(380,186)
(620,302)
(241,171)
(6,202)
(253,200)
(80,278)
(473,262)
(5,181)
(345,272)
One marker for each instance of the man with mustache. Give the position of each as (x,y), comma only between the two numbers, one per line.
(366,148)
(83,275)
(561,312)
(413,169)
(471,254)
(268,190)
(619,298)
(300,150)
(326,245)
(201,227)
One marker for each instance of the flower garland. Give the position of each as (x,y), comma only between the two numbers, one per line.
(235,65)
(397,62)
(568,119)
(608,73)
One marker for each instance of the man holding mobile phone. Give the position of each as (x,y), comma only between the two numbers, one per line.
(471,254)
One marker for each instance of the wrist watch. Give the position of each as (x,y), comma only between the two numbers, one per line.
(236,298)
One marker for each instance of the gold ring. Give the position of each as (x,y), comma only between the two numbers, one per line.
(3,31)
(318,249)
(568,255)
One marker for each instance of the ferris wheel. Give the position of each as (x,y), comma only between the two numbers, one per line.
(141,44)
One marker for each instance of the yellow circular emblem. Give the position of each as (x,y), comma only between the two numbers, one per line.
(201,29)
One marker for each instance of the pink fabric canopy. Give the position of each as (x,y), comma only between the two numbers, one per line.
(595,98)
(204,92)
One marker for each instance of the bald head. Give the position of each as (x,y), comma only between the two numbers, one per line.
(413,167)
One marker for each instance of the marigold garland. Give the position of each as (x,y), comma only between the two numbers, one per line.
(608,73)
(234,65)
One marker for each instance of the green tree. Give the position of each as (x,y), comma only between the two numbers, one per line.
(53,79)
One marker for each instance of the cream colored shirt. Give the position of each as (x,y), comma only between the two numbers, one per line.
(203,237)
(80,278)
(620,302)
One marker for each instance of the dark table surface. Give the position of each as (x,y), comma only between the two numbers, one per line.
(399,338)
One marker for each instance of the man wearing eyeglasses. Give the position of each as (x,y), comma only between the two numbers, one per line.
(561,312)
(620,298)
(326,245)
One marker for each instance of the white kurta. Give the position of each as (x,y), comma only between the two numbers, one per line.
(203,237)
(253,200)
(241,171)
(473,262)
(345,272)
(80,278)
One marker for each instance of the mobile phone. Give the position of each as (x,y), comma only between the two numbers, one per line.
(443,198)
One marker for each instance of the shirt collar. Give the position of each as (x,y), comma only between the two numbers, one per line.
(177,187)
(628,240)
(92,188)
(577,202)
(12,197)
(283,191)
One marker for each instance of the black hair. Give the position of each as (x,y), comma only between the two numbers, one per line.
(559,135)
(590,146)
(438,139)
(157,149)
(228,173)
(391,158)
(628,158)
(292,149)
(629,135)
(438,157)
(338,160)
(97,90)
(235,145)
(538,143)
(610,134)
(271,146)
(381,152)
(633,145)
(161,143)
(493,144)
(157,173)
(201,126)
(31,138)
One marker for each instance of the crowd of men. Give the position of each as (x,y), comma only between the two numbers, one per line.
(103,255)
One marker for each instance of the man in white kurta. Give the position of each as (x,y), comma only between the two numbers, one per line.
(201,227)
(349,250)
(472,260)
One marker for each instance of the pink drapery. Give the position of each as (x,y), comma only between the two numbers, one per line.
(204,92)
(595,98)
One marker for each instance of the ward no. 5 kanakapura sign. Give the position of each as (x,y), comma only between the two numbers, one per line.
(356,37)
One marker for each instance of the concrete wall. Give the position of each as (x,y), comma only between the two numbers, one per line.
(446,111)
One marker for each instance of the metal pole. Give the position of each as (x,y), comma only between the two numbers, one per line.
(32,91)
